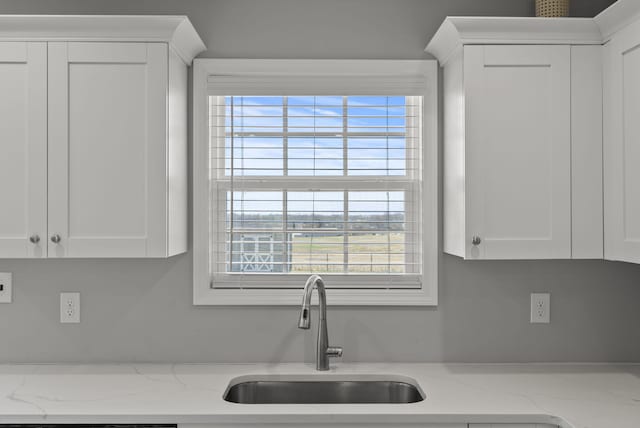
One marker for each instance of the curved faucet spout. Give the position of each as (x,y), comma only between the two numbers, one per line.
(324,351)
(314,281)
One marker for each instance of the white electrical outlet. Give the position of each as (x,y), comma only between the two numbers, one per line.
(69,307)
(540,308)
(5,287)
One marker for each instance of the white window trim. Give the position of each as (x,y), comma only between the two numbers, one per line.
(354,76)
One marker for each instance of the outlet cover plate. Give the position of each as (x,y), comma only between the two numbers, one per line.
(540,308)
(69,308)
(6,288)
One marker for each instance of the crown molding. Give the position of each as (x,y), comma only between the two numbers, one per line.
(617,16)
(177,31)
(458,31)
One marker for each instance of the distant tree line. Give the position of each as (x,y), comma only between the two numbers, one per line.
(371,222)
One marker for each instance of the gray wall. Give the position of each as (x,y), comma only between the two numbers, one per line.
(140,310)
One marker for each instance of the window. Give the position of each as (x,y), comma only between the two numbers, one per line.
(315,184)
(329,169)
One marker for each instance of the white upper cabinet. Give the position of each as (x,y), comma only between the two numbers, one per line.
(518,152)
(108,149)
(622,145)
(23,149)
(112,179)
(509,112)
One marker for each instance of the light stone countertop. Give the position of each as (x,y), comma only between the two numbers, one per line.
(568,395)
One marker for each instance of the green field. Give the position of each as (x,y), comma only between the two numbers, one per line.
(366,253)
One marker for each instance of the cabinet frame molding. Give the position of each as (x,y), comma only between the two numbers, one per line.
(175,30)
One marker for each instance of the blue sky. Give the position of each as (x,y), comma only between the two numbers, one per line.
(367,155)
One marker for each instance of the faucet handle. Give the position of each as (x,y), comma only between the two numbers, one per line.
(334,351)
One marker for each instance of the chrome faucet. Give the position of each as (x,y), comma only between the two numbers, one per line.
(323,351)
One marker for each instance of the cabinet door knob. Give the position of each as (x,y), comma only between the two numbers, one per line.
(56,239)
(34,239)
(476,240)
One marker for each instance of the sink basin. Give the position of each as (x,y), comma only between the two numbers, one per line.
(323,390)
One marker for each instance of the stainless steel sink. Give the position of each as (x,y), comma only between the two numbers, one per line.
(329,391)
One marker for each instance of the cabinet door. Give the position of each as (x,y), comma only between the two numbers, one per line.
(107,149)
(23,149)
(518,151)
(622,146)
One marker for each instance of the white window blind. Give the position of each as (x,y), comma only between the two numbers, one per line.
(315,184)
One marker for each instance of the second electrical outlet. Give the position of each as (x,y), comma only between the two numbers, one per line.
(69,307)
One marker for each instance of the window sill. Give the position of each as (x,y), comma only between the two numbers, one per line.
(335,297)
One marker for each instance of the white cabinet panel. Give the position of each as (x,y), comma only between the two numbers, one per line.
(108,149)
(454,218)
(178,162)
(518,151)
(23,149)
(622,145)
(586,153)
